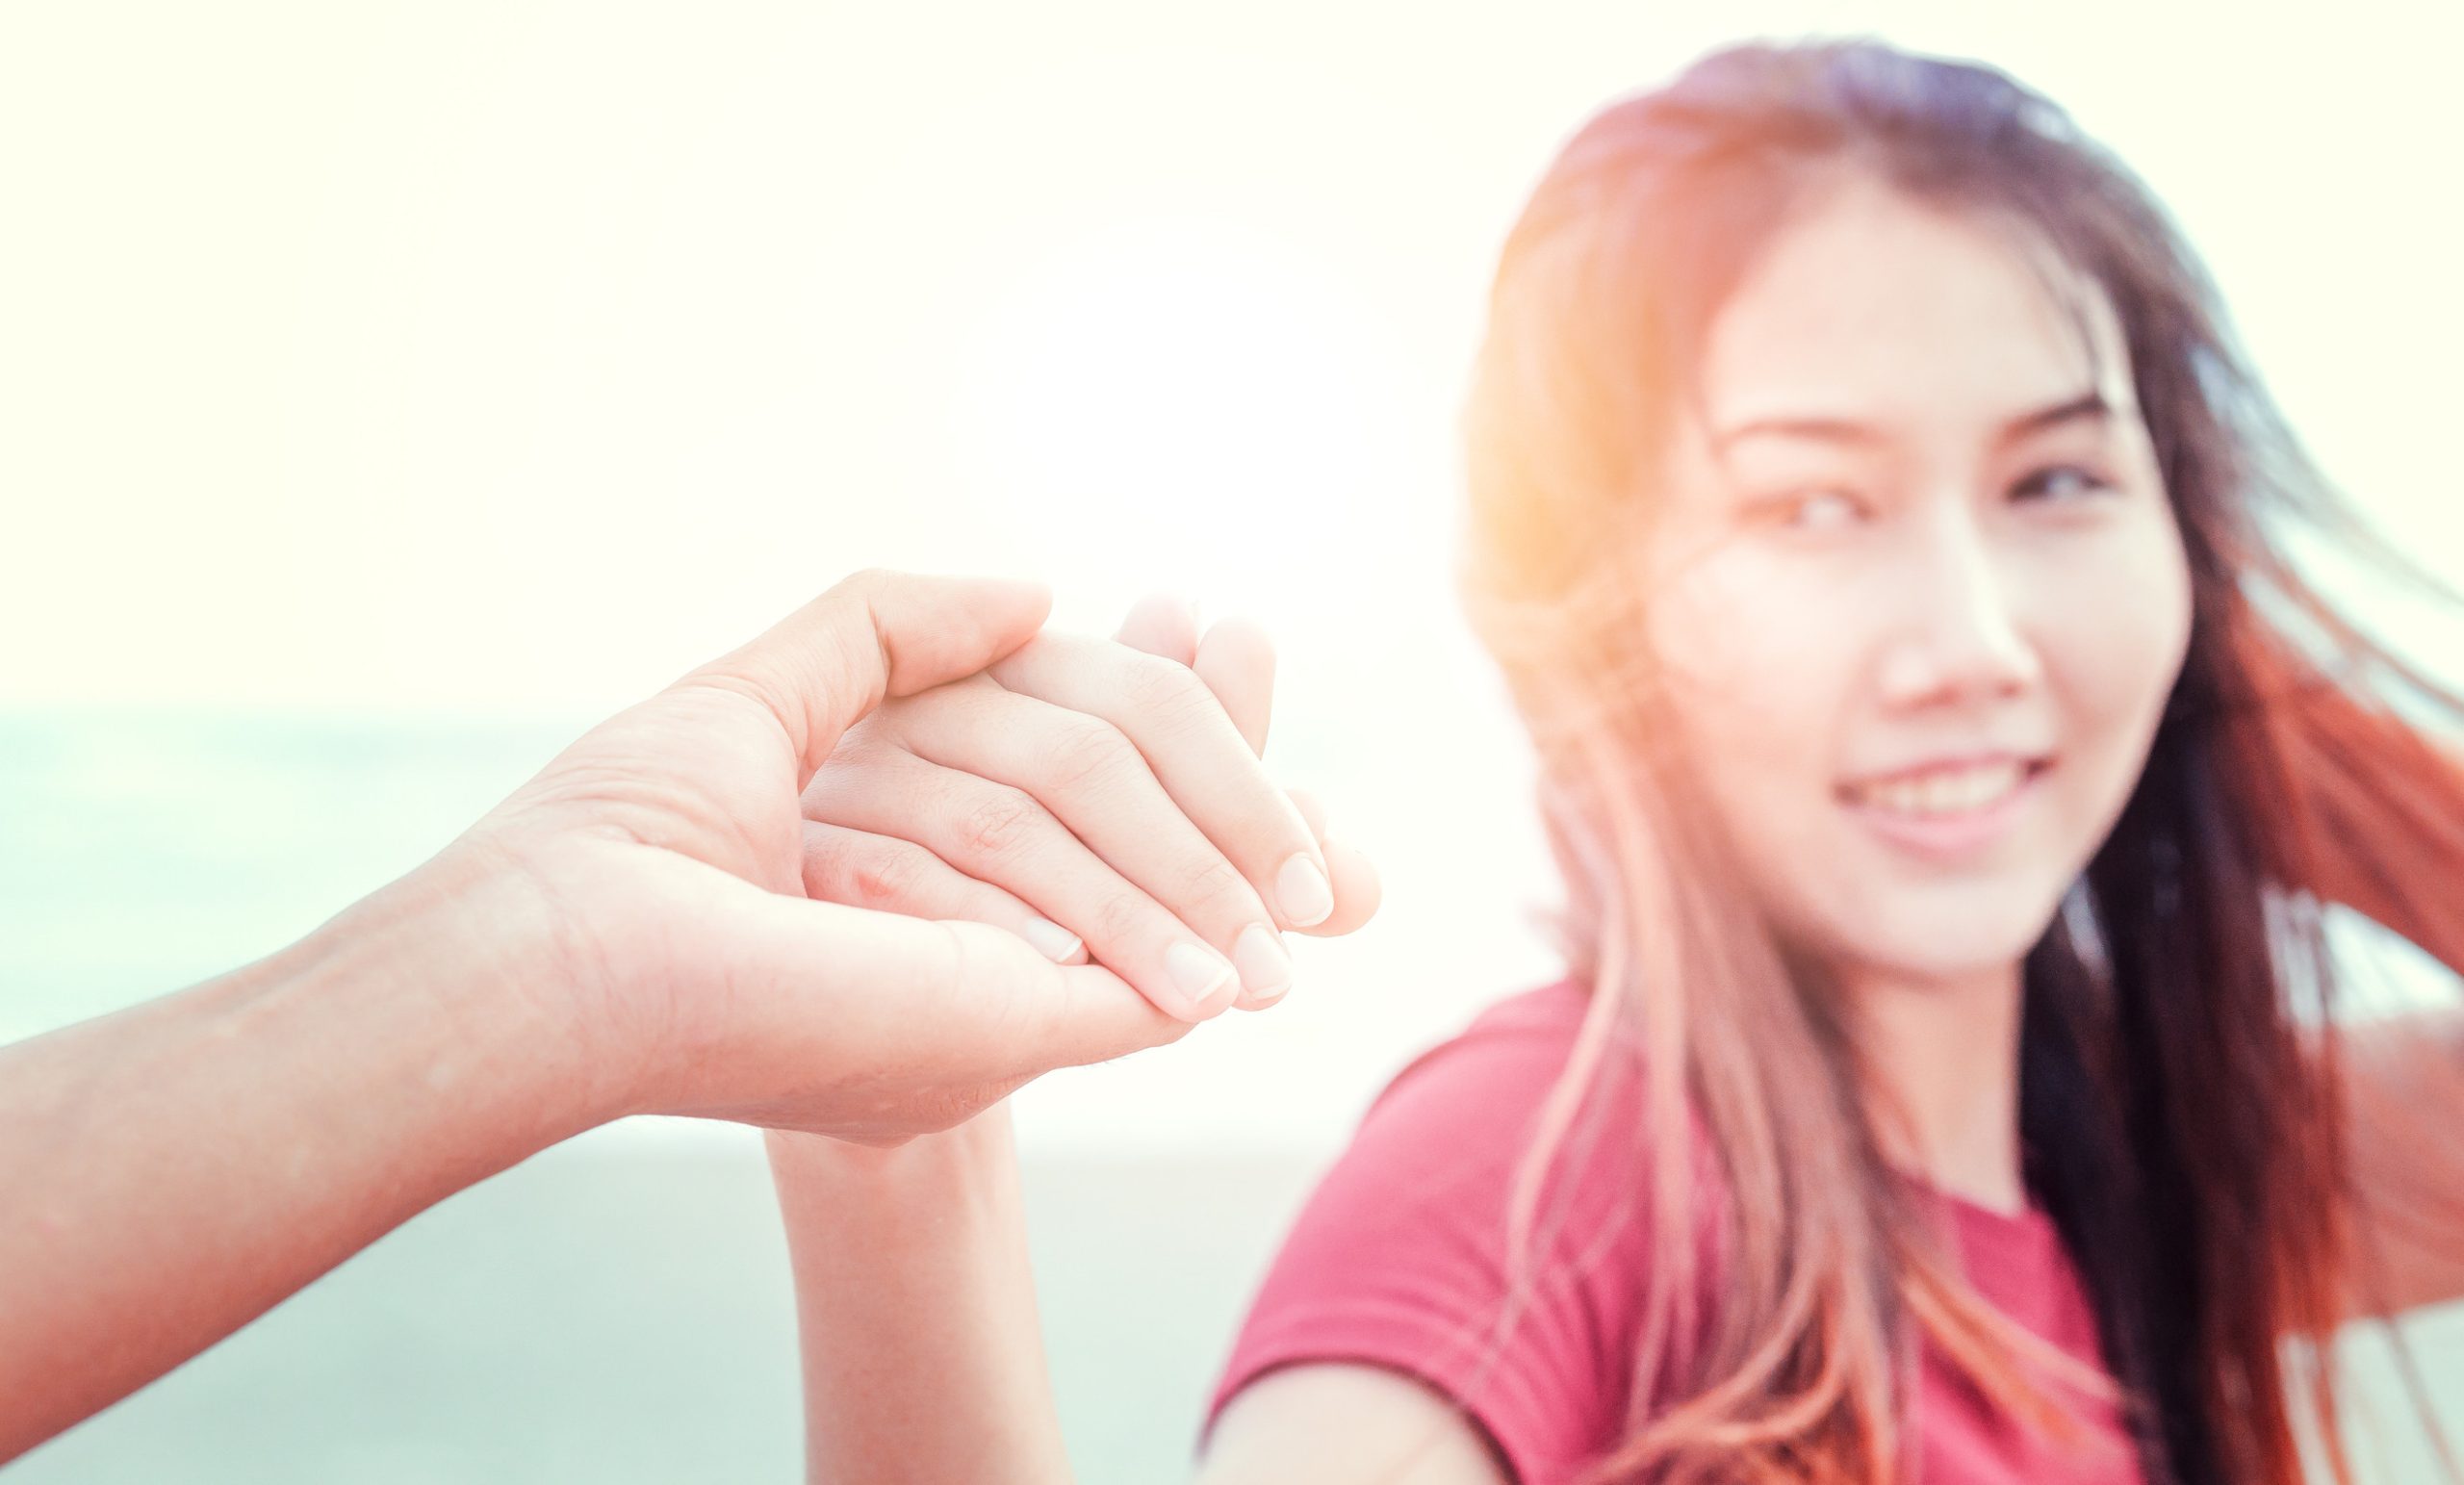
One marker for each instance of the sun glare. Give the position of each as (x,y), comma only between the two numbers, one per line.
(1178,387)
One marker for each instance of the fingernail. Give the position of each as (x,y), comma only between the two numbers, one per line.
(1196,970)
(1266,970)
(1302,889)
(1051,940)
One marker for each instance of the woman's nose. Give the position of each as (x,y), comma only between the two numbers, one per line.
(1962,635)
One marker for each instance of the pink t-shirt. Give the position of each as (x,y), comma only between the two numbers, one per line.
(1398,1261)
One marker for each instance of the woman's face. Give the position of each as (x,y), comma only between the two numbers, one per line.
(1917,589)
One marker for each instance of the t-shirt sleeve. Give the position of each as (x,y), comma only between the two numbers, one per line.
(1399,1257)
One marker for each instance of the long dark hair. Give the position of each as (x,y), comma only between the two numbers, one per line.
(2181,1089)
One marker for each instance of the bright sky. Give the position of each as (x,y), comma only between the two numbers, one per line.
(488,358)
(474,356)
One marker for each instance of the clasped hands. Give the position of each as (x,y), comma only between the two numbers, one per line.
(868,874)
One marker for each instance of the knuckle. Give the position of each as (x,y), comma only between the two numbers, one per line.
(886,875)
(994,823)
(1214,884)
(1083,754)
(1163,688)
(1119,916)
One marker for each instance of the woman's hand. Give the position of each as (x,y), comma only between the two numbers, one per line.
(646,889)
(934,1227)
(626,934)
(1093,794)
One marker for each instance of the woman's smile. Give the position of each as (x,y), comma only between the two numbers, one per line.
(1947,814)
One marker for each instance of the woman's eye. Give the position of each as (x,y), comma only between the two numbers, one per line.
(1815,510)
(2065,477)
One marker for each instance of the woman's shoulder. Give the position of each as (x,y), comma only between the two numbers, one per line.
(1402,1255)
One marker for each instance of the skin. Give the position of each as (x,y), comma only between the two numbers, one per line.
(1953,592)
(912,1286)
(1955,587)
(1932,601)
(690,912)
(1828,609)
(1948,592)
(1044,777)
(630,932)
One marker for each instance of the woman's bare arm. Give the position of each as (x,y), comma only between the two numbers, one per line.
(1337,1424)
(922,1358)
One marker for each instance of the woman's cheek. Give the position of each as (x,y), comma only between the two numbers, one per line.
(1760,630)
(2126,649)
(2116,654)
(1755,655)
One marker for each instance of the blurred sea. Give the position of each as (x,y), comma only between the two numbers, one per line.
(616,1310)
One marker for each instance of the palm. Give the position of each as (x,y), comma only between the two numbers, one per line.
(700,771)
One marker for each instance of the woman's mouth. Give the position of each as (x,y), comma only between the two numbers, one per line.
(1947,812)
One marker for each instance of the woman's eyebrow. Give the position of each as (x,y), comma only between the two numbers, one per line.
(2089,406)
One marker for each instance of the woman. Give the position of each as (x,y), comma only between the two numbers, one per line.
(1883,538)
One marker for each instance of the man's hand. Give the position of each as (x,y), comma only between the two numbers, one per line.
(662,861)
(937,1228)
(628,934)
(1092,795)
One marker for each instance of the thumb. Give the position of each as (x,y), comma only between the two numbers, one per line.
(901,1016)
(876,633)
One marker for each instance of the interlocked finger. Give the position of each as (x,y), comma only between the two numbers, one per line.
(890,875)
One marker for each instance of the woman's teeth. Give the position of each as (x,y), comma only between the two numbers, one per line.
(1942,791)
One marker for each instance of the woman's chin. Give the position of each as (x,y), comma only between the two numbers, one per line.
(1983,938)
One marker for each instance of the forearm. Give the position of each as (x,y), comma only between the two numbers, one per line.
(922,1356)
(176,1169)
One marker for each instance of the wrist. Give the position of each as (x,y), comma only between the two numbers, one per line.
(915,1301)
(457,958)
(984,1144)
